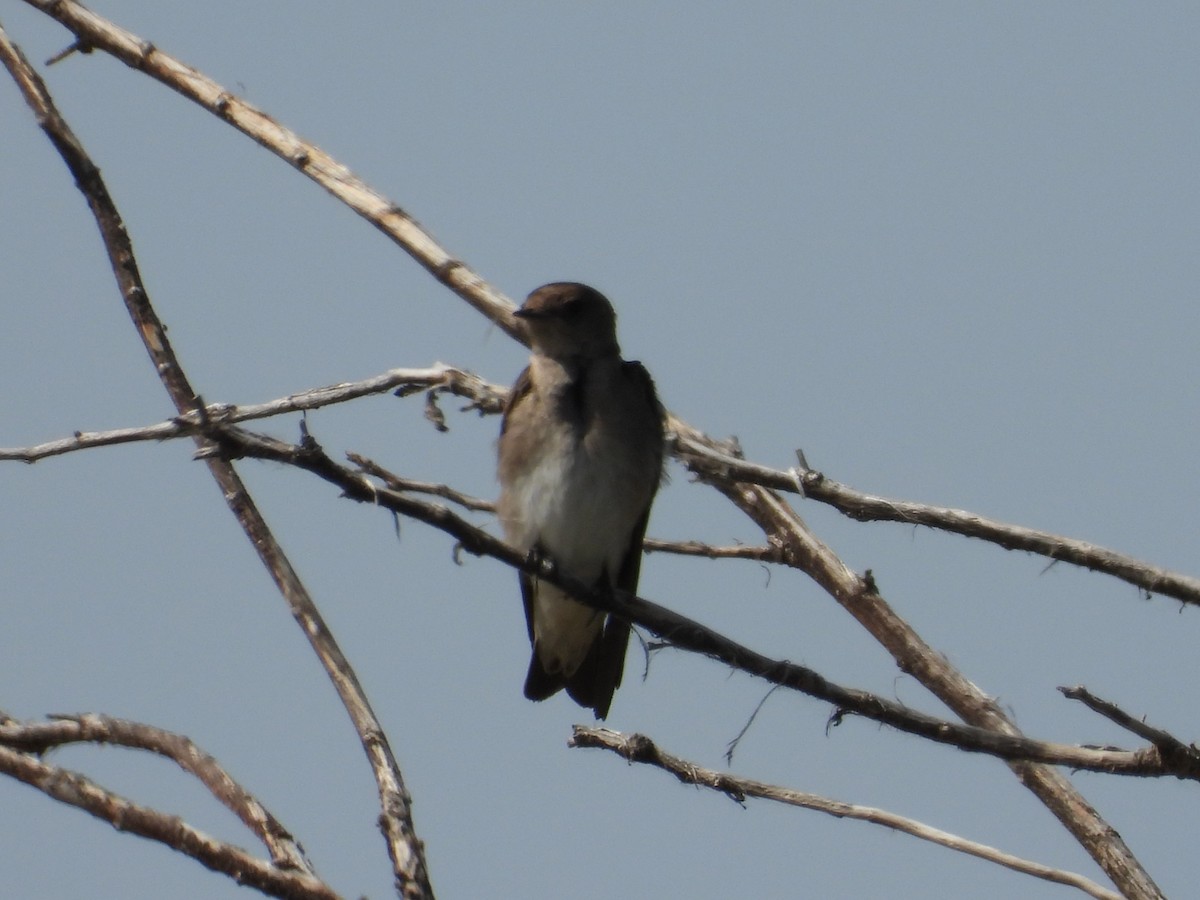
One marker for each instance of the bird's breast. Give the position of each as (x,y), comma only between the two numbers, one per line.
(578,502)
(586,466)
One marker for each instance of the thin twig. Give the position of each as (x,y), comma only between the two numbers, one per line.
(487,398)
(399,484)
(1173,751)
(697,548)
(641,749)
(701,455)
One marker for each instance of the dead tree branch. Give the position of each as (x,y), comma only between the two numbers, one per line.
(485,397)
(39,737)
(93,31)
(640,749)
(707,459)
(859,596)
(79,791)
(1172,750)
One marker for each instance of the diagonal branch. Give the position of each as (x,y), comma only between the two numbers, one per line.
(77,790)
(93,31)
(405,850)
(641,749)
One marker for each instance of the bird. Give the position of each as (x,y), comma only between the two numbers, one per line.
(579,461)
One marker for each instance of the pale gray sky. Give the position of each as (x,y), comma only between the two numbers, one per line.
(949,250)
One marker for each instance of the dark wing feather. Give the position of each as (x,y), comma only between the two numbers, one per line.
(539,684)
(600,675)
(615,640)
(522,386)
(637,372)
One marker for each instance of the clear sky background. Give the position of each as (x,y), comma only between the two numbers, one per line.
(949,250)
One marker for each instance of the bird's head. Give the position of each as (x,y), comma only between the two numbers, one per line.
(566,319)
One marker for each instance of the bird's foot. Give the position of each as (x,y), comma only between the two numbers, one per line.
(540,560)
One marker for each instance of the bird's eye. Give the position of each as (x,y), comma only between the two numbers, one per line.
(571,309)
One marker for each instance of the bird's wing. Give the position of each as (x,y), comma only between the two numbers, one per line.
(518,392)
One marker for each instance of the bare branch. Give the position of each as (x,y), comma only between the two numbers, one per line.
(859,596)
(39,737)
(405,850)
(704,457)
(641,749)
(77,790)
(697,548)
(485,397)
(1174,752)
(396,483)
(95,32)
